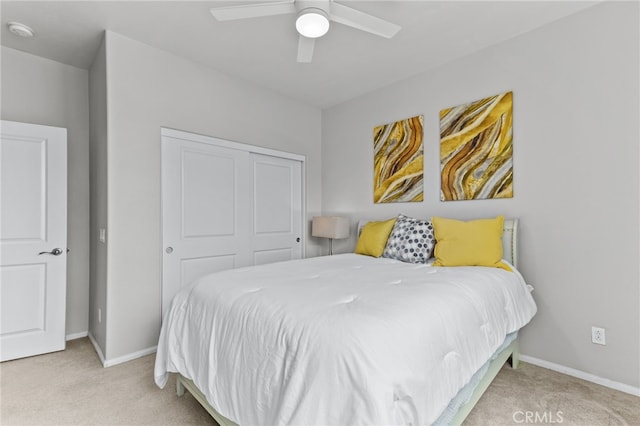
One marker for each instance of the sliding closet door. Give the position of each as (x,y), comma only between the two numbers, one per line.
(205,211)
(277,209)
(223,207)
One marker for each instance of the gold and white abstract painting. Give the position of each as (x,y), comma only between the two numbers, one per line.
(476,149)
(398,165)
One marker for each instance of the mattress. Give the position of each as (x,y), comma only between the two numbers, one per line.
(345,339)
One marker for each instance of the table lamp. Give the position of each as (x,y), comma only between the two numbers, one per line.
(332,227)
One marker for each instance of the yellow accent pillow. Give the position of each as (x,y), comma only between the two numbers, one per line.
(373,237)
(472,243)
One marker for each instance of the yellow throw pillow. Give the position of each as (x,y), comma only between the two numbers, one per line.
(472,243)
(373,237)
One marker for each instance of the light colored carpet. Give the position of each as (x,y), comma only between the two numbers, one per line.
(529,391)
(72,388)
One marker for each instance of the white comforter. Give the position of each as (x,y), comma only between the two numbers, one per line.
(338,340)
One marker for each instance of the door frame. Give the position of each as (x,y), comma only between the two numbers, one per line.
(218,142)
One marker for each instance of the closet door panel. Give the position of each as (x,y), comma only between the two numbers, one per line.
(191,269)
(205,211)
(209,190)
(261,257)
(273,201)
(277,185)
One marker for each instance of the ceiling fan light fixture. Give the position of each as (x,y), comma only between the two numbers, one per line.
(312,22)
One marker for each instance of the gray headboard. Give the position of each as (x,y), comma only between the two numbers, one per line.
(509,239)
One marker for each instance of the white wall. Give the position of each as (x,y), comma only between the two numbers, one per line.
(148,89)
(576,138)
(41,91)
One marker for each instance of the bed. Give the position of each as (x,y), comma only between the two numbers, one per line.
(344,339)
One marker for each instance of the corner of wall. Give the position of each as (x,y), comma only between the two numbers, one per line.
(98,201)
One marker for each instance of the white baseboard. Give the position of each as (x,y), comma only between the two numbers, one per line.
(97,348)
(129,357)
(75,336)
(582,375)
(119,360)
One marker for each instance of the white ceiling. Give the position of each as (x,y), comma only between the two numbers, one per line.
(346,62)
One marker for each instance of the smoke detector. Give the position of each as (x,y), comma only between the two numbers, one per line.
(21,30)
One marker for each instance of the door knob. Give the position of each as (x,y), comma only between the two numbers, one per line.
(169,250)
(55,252)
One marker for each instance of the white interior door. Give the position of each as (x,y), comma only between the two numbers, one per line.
(224,207)
(33,239)
(277,209)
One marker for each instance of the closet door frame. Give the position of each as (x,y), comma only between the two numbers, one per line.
(167,135)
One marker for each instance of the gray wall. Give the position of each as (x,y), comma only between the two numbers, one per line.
(148,89)
(41,91)
(576,139)
(98,171)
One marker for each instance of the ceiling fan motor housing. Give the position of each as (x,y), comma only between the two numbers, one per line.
(323,5)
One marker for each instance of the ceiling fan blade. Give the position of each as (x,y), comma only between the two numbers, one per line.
(362,21)
(305,49)
(255,10)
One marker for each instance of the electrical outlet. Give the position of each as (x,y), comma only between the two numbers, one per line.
(598,336)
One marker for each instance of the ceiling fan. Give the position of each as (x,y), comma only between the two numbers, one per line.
(312,20)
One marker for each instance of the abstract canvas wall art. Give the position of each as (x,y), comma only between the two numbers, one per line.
(398,165)
(476,149)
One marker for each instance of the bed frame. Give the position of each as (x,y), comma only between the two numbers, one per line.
(510,353)
(183,383)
